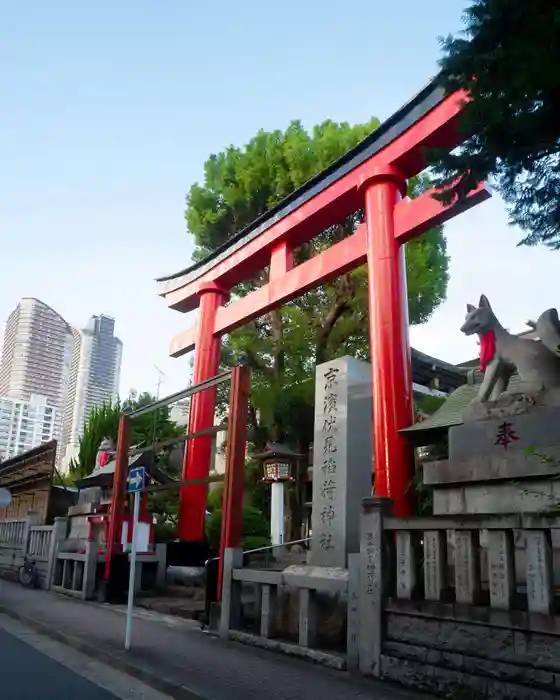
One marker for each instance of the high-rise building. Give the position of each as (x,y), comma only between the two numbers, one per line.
(36,355)
(94,379)
(26,424)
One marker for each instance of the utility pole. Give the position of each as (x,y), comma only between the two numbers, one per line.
(161,375)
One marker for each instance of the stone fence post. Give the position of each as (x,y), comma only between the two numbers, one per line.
(31,520)
(161,575)
(58,534)
(90,568)
(372,587)
(231,592)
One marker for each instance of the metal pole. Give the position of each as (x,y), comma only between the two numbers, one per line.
(132,575)
(159,382)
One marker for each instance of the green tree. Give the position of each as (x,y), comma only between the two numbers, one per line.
(284,346)
(254,525)
(507,60)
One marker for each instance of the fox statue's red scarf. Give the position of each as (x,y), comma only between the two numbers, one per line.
(487,349)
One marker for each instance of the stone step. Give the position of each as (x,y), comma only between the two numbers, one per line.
(191,591)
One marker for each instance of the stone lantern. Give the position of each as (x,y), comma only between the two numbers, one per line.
(278,462)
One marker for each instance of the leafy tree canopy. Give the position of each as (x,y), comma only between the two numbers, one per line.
(507,60)
(284,346)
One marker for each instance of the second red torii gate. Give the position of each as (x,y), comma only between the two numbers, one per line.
(372,176)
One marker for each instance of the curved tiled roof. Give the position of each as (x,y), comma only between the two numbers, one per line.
(453,410)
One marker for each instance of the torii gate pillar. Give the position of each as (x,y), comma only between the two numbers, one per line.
(198,452)
(389,339)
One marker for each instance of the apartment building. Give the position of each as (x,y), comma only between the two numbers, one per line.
(36,356)
(26,424)
(52,375)
(94,378)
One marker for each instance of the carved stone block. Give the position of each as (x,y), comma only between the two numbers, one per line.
(342,458)
(538,558)
(501,573)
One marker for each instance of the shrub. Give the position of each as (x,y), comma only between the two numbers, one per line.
(255,529)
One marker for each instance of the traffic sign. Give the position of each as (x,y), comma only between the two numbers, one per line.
(136,479)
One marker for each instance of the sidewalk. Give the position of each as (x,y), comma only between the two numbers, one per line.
(175,657)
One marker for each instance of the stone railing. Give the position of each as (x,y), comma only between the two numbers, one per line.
(39,543)
(74,572)
(441,603)
(277,557)
(24,539)
(12,533)
(285,607)
(474,560)
(463,601)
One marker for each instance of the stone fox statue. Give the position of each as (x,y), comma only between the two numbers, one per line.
(501,354)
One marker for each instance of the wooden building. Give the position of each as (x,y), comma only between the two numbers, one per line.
(30,477)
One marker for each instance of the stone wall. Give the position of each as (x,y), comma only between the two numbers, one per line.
(442,649)
(419,605)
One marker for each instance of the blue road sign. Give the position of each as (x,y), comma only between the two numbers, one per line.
(136,479)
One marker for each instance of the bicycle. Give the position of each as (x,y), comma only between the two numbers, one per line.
(28,575)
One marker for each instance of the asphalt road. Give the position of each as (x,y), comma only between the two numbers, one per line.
(27,674)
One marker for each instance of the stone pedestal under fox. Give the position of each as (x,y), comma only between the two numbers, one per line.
(501,354)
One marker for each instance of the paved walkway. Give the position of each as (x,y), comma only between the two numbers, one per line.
(177,658)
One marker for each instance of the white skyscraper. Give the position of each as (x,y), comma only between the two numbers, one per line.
(94,379)
(36,356)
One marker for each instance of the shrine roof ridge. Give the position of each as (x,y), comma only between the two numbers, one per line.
(410,113)
(36,463)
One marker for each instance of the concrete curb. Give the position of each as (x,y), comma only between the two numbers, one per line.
(171,688)
(315,656)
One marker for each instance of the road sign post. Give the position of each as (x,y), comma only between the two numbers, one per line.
(134,483)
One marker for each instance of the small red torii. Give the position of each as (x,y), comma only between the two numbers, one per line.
(371,176)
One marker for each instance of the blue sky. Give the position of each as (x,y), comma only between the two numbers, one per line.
(108,110)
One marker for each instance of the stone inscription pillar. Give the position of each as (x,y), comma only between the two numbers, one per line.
(342,458)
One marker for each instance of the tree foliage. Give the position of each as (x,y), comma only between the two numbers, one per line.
(103,422)
(254,527)
(284,346)
(506,60)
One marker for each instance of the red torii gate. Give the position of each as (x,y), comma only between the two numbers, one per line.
(371,176)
